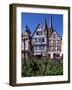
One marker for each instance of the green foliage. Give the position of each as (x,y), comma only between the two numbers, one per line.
(41,68)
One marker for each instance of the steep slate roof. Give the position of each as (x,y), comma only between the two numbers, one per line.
(46,27)
(56,33)
(27,30)
(35,30)
(49,36)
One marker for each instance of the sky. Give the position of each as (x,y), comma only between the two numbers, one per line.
(33,19)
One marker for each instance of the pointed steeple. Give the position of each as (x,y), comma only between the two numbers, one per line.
(51,22)
(45,24)
(28,30)
(50,30)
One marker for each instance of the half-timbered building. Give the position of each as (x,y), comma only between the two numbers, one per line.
(43,42)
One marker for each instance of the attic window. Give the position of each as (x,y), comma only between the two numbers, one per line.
(39,33)
(54,35)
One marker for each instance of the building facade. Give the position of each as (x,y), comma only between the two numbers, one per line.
(26,44)
(39,42)
(43,42)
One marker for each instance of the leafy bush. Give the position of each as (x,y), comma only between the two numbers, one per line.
(41,68)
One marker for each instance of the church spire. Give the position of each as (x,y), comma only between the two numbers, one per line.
(50,30)
(28,30)
(51,22)
(45,24)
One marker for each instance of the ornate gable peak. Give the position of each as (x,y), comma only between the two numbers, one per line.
(55,33)
(39,28)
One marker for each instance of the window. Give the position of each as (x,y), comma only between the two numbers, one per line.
(36,47)
(41,39)
(59,48)
(59,43)
(50,48)
(49,55)
(39,32)
(41,47)
(54,42)
(58,55)
(54,35)
(35,39)
(54,55)
(54,48)
(50,42)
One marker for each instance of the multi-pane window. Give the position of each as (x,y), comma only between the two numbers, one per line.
(51,43)
(35,39)
(38,40)
(59,43)
(41,39)
(41,47)
(36,47)
(50,48)
(54,35)
(58,48)
(54,48)
(39,32)
(54,42)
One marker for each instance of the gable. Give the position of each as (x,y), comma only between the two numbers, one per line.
(54,36)
(38,32)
